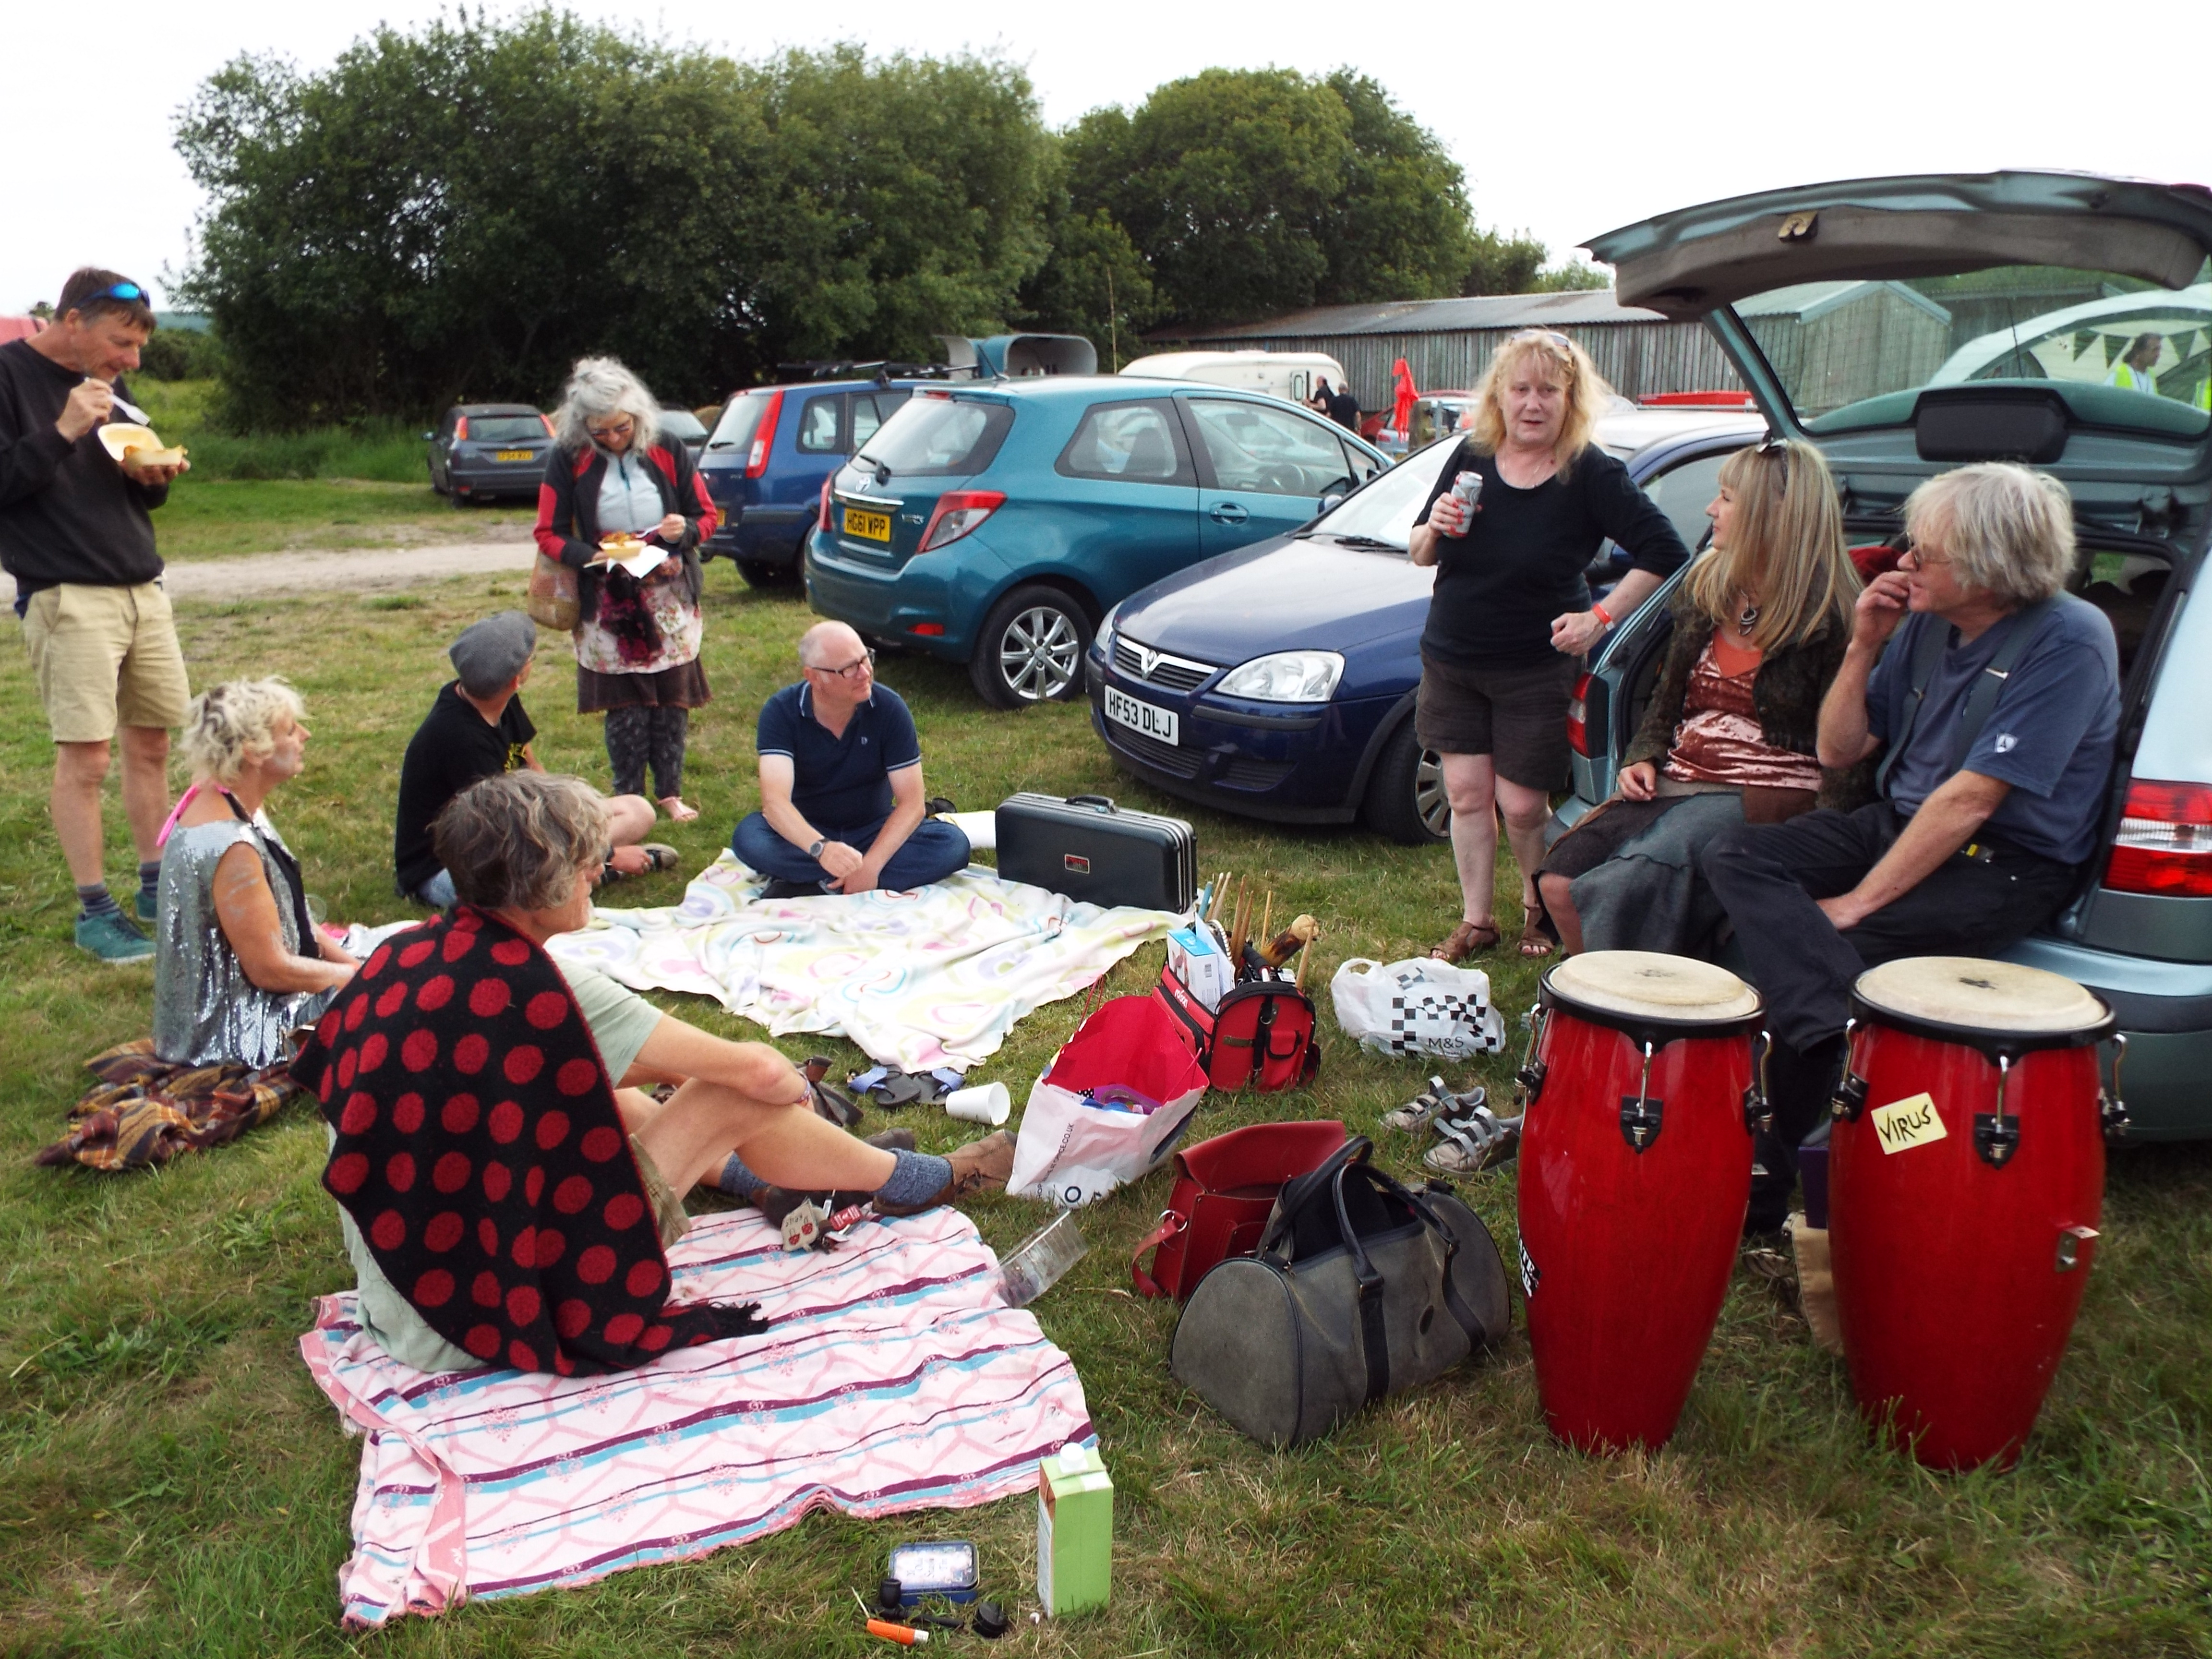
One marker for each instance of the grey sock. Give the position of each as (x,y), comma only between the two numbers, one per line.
(149,878)
(738,1181)
(95,901)
(919,1177)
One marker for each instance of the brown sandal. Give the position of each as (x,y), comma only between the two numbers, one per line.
(1465,939)
(1535,942)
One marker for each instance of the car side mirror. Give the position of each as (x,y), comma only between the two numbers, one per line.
(429,437)
(1329,501)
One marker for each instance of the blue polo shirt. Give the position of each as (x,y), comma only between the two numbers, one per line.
(2050,734)
(840,782)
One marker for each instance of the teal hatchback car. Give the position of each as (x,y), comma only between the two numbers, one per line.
(994,526)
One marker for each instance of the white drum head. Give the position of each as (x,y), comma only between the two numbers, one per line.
(1976,994)
(1650,986)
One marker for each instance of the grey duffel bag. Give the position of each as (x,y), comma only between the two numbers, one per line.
(1361,1287)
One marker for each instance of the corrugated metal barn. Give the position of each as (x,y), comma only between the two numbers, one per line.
(1448,343)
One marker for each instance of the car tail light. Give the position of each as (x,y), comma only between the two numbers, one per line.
(547,420)
(958,511)
(822,519)
(930,630)
(764,437)
(2165,840)
(1579,716)
(460,428)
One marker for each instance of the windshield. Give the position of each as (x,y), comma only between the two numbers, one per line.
(2119,350)
(933,436)
(681,423)
(1384,510)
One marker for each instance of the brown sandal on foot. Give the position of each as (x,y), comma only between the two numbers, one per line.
(1465,940)
(1535,942)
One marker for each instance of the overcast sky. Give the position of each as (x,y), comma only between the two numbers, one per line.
(1569,119)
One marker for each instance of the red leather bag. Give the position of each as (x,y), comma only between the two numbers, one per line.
(1224,1189)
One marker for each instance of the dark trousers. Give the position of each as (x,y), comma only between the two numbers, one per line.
(639,733)
(1767,878)
(935,850)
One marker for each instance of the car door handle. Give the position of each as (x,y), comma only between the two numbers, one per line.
(1228,513)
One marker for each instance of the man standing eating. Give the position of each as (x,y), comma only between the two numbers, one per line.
(75,534)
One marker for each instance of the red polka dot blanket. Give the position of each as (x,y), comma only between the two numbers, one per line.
(481,1153)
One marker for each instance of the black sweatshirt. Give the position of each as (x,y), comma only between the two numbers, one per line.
(68,513)
(1521,563)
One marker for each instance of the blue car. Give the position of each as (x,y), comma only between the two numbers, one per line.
(1278,681)
(767,457)
(995,525)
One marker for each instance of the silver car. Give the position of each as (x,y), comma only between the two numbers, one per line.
(1909,325)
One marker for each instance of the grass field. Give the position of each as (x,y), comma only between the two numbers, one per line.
(171,1482)
(336,487)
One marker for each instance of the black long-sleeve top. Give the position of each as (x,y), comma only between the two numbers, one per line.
(68,512)
(1521,563)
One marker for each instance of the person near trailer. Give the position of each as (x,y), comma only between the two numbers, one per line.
(1511,615)
(1992,696)
(478,728)
(75,534)
(611,473)
(509,1189)
(1731,733)
(841,804)
(1341,406)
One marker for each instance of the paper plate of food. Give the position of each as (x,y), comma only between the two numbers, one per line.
(136,445)
(631,553)
(620,546)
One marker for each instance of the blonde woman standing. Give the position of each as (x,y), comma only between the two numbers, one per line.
(1730,735)
(1510,616)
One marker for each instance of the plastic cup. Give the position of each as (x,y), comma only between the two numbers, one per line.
(986,1102)
(1037,1262)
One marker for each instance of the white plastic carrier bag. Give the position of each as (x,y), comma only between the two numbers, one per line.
(1110,1107)
(1417,1007)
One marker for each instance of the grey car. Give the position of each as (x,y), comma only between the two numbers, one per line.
(483,451)
(1860,314)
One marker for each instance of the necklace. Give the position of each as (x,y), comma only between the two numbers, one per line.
(1747,619)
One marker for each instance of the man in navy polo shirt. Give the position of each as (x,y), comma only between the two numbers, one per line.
(1989,810)
(841,803)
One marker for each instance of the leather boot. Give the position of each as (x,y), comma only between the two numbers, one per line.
(976,1166)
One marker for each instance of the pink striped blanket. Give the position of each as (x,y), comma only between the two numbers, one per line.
(894,1377)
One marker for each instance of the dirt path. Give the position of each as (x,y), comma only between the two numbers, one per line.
(366,570)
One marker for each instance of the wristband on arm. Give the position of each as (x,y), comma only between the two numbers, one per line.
(1603,615)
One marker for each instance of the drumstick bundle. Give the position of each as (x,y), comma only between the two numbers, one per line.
(1228,907)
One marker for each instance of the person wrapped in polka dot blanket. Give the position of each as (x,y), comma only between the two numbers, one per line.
(509,1189)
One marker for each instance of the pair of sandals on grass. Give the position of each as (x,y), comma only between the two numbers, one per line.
(1538,939)
(1470,1137)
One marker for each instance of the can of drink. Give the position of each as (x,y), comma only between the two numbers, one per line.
(1467,490)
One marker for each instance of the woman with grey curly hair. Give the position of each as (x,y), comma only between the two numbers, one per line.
(237,964)
(627,510)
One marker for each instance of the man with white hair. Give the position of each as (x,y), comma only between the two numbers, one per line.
(1994,708)
(841,804)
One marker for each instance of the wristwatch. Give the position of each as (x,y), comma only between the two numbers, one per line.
(815,851)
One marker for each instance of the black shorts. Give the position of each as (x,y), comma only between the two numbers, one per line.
(1517,716)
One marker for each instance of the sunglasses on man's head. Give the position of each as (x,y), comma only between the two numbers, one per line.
(126,291)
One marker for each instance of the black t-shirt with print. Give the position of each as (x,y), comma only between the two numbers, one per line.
(451,749)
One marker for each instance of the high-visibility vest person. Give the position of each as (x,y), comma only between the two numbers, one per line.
(2133,371)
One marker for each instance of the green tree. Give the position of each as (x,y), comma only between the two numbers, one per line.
(1401,228)
(1094,282)
(463,211)
(1517,264)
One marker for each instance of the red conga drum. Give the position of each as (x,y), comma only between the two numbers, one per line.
(1635,1170)
(1966,1181)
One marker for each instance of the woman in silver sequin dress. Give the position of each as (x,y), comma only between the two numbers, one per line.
(237,964)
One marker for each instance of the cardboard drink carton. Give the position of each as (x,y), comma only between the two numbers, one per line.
(1196,959)
(1075,1530)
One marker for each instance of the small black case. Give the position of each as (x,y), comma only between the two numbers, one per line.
(1090,849)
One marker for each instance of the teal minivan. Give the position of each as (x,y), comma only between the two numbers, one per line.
(1909,325)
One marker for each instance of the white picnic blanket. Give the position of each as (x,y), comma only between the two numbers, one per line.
(933,977)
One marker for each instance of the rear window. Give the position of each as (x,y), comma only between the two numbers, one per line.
(506,429)
(681,423)
(740,421)
(938,437)
(1134,442)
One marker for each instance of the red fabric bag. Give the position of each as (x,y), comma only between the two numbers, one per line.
(1224,1190)
(1260,1037)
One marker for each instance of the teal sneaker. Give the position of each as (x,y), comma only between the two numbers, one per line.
(111,937)
(148,905)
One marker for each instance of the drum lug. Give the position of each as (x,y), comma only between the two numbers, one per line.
(2070,1240)
(2111,1109)
(1758,1113)
(1850,1098)
(1530,1077)
(1639,1112)
(1997,1138)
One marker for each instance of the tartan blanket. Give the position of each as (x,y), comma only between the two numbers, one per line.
(145,1111)
(894,1377)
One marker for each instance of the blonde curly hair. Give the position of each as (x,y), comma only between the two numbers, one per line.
(1588,394)
(230,726)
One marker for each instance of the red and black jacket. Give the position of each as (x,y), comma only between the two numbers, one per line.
(569,513)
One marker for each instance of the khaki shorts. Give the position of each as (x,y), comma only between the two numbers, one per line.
(103,657)
(1517,716)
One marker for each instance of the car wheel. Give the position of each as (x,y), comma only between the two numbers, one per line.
(759,573)
(1405,798)
(435,486)
(1030,649)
